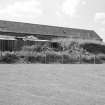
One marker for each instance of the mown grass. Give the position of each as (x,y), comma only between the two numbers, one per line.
(52,84)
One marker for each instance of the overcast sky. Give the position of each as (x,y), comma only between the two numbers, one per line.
(86,14)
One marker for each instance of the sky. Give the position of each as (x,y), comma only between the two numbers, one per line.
(83,14)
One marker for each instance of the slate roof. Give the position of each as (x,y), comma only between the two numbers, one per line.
(19,27)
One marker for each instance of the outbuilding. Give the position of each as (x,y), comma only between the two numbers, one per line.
(14,34)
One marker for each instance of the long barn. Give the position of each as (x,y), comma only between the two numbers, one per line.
(12,33)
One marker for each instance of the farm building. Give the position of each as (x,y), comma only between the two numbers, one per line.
(13,34)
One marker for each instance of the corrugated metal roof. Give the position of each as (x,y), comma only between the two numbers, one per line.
(33,38)
(19,27)
(3,37)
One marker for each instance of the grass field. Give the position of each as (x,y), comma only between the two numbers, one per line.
(52,84)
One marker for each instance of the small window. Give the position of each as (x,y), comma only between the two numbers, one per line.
(54,45)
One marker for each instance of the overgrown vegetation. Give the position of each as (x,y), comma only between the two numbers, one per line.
(67,51)
(9,58)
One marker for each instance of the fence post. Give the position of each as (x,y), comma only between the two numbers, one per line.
(62,56)
(1,47)
(94,59)
(62,59)
(45,58)
(80,58)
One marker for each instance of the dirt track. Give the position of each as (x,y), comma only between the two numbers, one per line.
(52,84)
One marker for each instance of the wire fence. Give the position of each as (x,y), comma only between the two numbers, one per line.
(15,46)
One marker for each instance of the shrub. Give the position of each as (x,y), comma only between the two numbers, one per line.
(101,57)
(9,58)
(38,58)
(92,60)
(94,48)
(67,43)
(52,57)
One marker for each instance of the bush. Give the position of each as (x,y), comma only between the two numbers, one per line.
(92,60)
(67,43)
(38,58)
(9,58)
(94,48)
(101,57)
